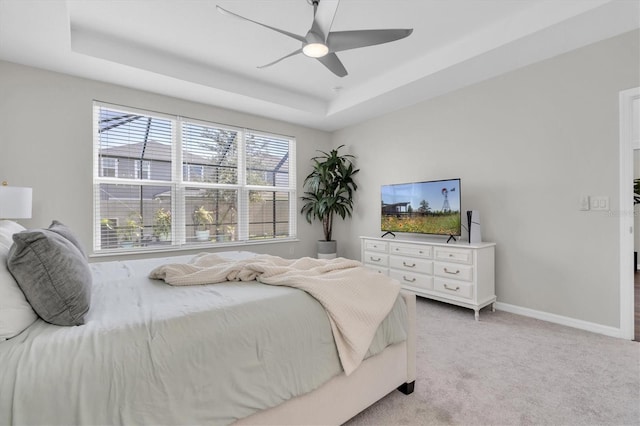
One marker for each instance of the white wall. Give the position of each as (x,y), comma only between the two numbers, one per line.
(526,145)
(46,143)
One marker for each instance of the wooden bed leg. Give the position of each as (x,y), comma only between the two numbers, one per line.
(407,388)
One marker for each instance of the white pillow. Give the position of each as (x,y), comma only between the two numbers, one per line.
(16,313)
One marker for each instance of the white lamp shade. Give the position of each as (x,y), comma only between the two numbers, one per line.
(15,202)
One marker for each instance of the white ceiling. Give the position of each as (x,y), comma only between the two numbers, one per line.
(188,50)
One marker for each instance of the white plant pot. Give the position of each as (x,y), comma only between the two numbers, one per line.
(327,249)
(202,235)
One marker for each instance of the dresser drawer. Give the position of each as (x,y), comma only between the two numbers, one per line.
(410,250)
(376,246)
(454,255)
(453,287)
(379,269)
(411,264)
(374,258)
(452,270)
(411,279)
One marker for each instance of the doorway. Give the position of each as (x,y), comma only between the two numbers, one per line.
(636,315)
(629,140)
(636,244)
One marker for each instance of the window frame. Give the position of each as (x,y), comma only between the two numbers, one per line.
(179,185)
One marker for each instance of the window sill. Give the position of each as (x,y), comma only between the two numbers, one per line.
(189,247)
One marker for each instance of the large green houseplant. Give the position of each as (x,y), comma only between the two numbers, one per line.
(329,192)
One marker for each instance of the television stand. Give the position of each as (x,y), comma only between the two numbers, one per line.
(451,237)
(460,274)
(387,233)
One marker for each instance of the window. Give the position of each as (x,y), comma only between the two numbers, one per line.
(162,182)
(193,172)
(143,169)
(109,167)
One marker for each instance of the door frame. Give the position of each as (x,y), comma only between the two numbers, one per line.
(626,211)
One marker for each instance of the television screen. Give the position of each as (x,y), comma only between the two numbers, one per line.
(422,207)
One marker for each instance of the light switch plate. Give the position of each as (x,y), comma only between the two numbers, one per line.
(584,203)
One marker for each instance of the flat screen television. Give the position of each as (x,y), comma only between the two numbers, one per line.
(431,207)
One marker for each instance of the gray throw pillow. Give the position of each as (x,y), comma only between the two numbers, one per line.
(53,274)
(62,229)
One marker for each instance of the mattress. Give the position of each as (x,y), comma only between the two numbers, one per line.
(151,353)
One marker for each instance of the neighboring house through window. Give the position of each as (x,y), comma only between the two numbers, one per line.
(193,172)
(165,181)
(109,167)
(143,169)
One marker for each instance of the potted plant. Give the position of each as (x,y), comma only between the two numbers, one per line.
(108,233)
(130,232)
(162,224)
(329,192)
(230,233)
(201,219)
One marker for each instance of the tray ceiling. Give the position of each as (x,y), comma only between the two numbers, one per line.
(188,50)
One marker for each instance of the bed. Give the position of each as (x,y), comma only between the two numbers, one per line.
(233,352)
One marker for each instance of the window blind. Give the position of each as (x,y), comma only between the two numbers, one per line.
(163,182)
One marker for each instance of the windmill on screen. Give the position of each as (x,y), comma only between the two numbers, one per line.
(445,194)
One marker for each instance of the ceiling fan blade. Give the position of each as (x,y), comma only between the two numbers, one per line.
(287,33)
(278,60)
(334,65)
(345,40)
(323,17)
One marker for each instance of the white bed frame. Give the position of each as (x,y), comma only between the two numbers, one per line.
(343,397)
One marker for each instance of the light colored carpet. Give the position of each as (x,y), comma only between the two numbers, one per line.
(512,370)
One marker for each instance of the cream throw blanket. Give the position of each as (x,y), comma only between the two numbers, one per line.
(356,299)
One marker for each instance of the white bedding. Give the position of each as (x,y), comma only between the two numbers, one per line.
(150,353)
(356,298)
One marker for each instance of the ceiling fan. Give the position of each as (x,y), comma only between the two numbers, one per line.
(322,44)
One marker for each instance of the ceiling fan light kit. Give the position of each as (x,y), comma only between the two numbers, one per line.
(322,44)
(315,50)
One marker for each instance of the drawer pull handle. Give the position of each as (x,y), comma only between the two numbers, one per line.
(451,288)
(413,265)
(412,280)
(421,252)
(450,255)
(452,273)
(397,249)
(375,259)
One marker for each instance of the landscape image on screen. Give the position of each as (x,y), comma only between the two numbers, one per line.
(422,207)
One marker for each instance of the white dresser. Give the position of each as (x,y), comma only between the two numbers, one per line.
(458,273)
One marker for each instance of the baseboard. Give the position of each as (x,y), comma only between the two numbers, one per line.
(559,319)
